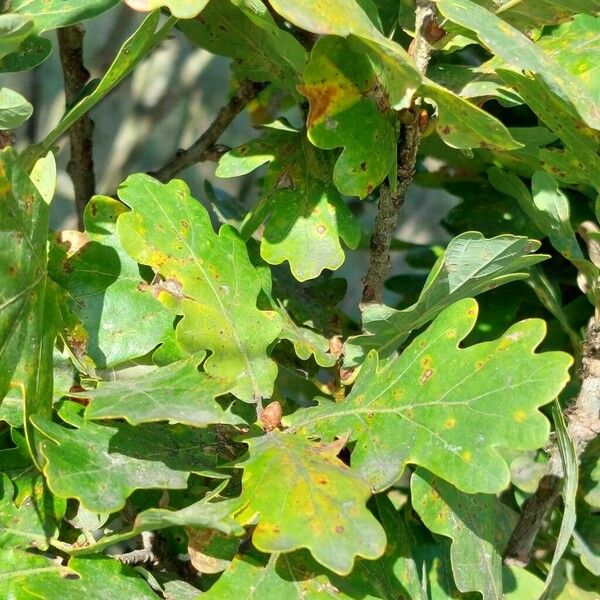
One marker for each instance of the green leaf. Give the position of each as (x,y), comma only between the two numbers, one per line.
(14,29)
(582,142)
(297,575)
(245,31)
(470,265)
(590,474)
(304,216)
(445,408)
(568,456)
(478,524)
(518,51)
(25,576)
(14,109)
(31,53)
(52,14)
(102,465)
(177,393)
(118,310)
(548,208)
(29,317)
(43,176)
(346,18)
(31,524)
(182,9)
(302,496)
(202,514)
(206,277)
(463,125)
(576,46)
(306,341)
(348,108)
(141,42)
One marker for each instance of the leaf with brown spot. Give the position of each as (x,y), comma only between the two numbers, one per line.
(219,285)
(302,496)
(303,219)
(446,408)
(349,109)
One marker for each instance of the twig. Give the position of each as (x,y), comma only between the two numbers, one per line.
(390,202)
(583,426)
(81,164)
(204,147)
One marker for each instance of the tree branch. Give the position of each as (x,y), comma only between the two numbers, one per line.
(583,426)
(81,164)
(390,202)
(204,148)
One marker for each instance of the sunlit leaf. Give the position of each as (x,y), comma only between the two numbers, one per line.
(246,32)
(304,215)
(119,312)
(183,9)
(446,408)
(302,496)
(14,109)
(342,89)
(206,277)
(470,265)
(177,393)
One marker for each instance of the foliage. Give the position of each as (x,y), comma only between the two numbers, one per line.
(204,385)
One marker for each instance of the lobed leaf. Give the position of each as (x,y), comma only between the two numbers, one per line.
(182,9)
(471,264)
(446,408)
(478,524)
(205,277)
(303,214)
(177,393)
(246,32)
(102,465)
(25,575)
(349,108)
(518,51)
(122,317)
(302,496)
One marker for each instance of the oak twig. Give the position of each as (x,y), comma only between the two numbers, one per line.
(583,418)
(81,163)
(204,148)
(390,202)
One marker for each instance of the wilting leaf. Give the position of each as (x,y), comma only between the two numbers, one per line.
(52,14)
(14,109)
(302,496)
(344,91)
(120,314)
(177,393)
(246,32)
(446,408)
(478,524)
(518,51)
(102,465)
(304,216)
(346,18)
(470,265)
(206,277)
(183,9)
(24,576)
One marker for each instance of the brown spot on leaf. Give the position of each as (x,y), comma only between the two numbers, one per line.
(339,529)
(446,130)
(321,229)
(321,97)
(426,375)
